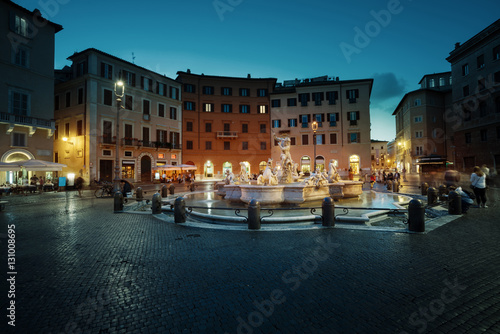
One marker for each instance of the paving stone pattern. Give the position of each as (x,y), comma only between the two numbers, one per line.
(83,269)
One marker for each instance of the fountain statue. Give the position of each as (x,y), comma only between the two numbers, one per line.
(268,176)
(244,174)
(229,177)
(333,174)
(287,165)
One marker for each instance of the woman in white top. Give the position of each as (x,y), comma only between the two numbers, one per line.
(478,183)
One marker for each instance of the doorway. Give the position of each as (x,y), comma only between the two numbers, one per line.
(146,169)
(106,170)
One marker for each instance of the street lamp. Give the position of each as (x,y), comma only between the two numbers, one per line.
(119,92)
(314,128)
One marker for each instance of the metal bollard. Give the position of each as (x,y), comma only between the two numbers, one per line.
(138,194)
(416,216)
(118,202)
(328,206)
(171,189)
(395,186)
(424,188)
(254,215)
(454,203)
(156,204)
(432,196)
(442,192)
(389,185)
(164,191)
(179,210)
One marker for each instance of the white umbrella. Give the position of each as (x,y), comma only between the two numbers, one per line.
(9,166)
(188,167)
(40,165)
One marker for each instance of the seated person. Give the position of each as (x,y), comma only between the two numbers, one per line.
(126,187)
(466,198)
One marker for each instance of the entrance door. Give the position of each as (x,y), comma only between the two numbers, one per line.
(146,169)
(106,170)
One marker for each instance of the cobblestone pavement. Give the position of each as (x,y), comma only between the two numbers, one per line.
(83,269)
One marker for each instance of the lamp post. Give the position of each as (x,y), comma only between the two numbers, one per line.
(119,92)
(314,128)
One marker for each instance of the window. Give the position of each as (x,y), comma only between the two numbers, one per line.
(419,134)
(79,127)
(56,102)
(262,109)
(208,145)
(481,84)
(353,117)
(497,105)
(174,93)
(227,91)
(292,141)
(106,132)
(319,118)
(208,90)
(227,108)
(18,139)
(262,92)
(468,138)
(244,128)
(68,99)
(320,139)
(174,139)
(263,128)
(129,78)
(188,105)
(129,102)
(244,146)
(108,97)
(244,109)
(173,113)
(276,123)
(189,88)
(480,61)
(467,114)
(161,89)
(305,139)
(21,57)
(244,92)
(482,109)
(208,127)
(106,71)
(227,127)
(19,103)
(484,135)
(292,102)
(332,97)
(147,84)
(292,122)
(146,107)
(21,26)
(332,118)
(56,132)
(304,120)
(208,107)
(496,77)
(275,103)
(465,69)
(304,98)
(189,145)
(80,95)
(66,129)
(496,52)
(189,126)
(227,146)
(353,137)
(441,82)
(318,97)
(432,84)
(419,150)
(352,95)
(263,145)
(418,119)
(333,138)
(161,110)
(81,68)
(417,102)
(465,91)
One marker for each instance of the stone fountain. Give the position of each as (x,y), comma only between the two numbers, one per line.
(283,183)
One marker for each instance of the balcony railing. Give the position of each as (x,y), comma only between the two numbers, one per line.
(227,134)
(107,140)
(26,120)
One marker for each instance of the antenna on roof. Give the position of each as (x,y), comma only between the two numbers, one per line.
(133,58)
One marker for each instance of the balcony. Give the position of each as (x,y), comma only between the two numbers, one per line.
(353,122)
(107,140)
(32,123)
(227,134)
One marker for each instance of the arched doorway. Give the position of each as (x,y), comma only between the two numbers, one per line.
(15,155)
(262,166)
(320,162)
(354,164)
(227,166)
(305,164)
(146,169)
(208,169)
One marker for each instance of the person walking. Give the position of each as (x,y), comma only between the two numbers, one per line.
(79,185)
(478,185)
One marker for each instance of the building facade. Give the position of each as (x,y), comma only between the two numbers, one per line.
(474,116)
(421,129)
(341,110)
(27,87)
(226,121)
(379,155)
(86,103)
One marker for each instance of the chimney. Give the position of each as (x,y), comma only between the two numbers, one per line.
(188,71)
(249,76)
(457,45)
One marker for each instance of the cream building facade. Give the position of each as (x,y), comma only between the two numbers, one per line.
(27,87)
(150,119)
(341,110)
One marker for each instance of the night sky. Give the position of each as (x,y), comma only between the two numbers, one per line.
(394,42)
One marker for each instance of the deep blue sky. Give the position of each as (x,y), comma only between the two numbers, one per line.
(285,39)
